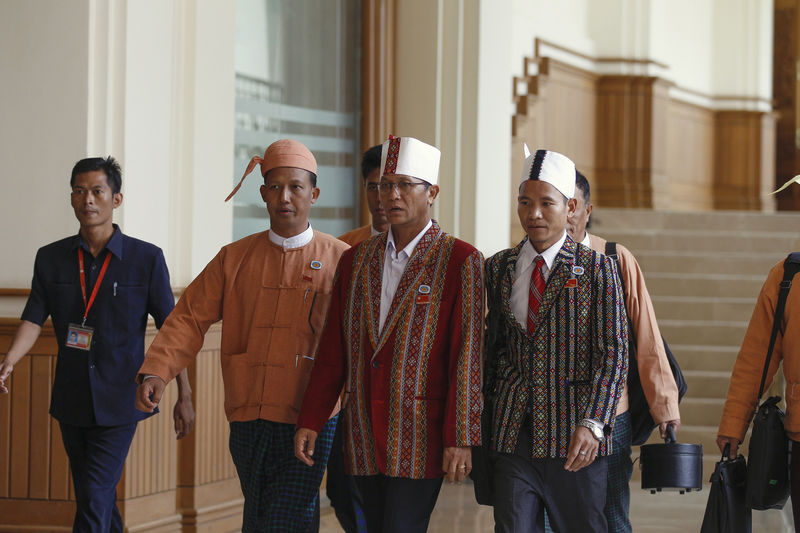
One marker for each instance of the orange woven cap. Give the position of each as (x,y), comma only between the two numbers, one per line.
(282,153)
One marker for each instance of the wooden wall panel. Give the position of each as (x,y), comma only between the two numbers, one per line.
(60,475)
(40,442)
(744,154)
(690,157)
(785,89)
(5,446)
(20,393)
(640,148)
(378,42)
(630,136)
(35,483)
(209,495)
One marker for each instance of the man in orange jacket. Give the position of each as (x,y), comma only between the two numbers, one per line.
(746,377)
(272,291)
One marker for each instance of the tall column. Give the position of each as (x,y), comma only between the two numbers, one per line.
(452,89)
(631,148)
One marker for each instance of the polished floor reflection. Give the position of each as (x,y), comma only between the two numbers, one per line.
(666,512)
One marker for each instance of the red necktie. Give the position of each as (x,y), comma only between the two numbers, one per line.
(535,293)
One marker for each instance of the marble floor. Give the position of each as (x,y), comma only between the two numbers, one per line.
(666,512)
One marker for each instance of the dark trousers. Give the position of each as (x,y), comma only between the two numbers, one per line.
(341,489)
(96,457)
(280,492)
(396,504)
(525,488)
(620,470)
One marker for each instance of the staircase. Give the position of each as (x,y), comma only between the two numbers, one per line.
(704,272)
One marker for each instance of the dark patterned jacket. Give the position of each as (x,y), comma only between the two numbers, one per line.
(414,387)
(575,364)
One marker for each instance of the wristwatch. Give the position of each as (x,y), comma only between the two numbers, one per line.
(595,427)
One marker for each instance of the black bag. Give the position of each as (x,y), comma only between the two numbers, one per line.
(642,423)
(726,511)
(768,484)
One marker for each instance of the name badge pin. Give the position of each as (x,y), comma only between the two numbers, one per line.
(577,270)
(571,283)
(316,265)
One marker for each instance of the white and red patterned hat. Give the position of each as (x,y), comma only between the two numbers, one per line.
(410,157)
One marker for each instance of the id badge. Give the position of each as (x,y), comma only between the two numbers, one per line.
(79,337)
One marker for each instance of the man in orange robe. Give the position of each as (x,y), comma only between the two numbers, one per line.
(272,291)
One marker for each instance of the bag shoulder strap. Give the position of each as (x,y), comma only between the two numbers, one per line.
(790,267)
(611,251)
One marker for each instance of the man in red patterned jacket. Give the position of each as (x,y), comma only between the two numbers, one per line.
(404,340)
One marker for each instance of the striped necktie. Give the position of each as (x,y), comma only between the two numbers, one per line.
(535,293)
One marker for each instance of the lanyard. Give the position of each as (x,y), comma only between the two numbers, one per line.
(88,305)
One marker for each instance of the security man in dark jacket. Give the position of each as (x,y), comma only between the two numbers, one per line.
(99,287)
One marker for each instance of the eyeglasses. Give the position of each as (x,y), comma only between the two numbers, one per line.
(403,187)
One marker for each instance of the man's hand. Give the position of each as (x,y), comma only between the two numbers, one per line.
(5,370)
(183,415)
(662,427)
(304,441)
(582,449)
(456,463)
(149,394)
(722,441)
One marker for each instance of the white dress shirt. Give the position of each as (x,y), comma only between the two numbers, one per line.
(301,239)
(521,284)
(394,264)
(586,240)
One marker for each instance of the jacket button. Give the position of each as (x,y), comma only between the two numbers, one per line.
(375,364)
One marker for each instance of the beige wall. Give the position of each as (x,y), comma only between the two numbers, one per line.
(43,131)
(150,82)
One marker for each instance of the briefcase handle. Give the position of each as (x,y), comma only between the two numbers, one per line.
(726,452)
(671,437)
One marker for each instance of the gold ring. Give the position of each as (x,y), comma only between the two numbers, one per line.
(462,467)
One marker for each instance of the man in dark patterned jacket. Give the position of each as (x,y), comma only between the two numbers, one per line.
(556,362)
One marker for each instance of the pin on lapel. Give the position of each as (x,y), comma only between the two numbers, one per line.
(571,283)
(307,278)
(316,265)
(424,294)
(577,270)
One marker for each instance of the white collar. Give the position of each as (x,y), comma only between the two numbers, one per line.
(529,253)
(409,249)
(586,241)
(373,231)
(301,239)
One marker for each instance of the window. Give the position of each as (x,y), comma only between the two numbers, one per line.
(297,76)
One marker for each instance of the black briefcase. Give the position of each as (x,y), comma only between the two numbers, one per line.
(726,510)
(672,465)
